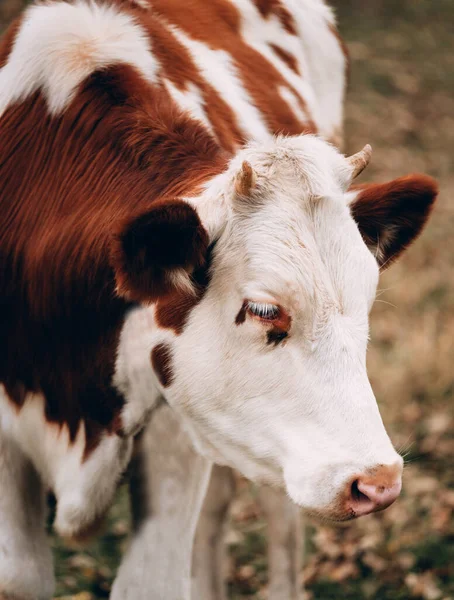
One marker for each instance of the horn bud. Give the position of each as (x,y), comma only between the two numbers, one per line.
(359,161)
(246,180)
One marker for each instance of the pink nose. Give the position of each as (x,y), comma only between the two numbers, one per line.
(375,491)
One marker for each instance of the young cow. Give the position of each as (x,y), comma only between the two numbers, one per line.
(147,254)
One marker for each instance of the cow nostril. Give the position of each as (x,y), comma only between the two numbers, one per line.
(371,492)
(357,494)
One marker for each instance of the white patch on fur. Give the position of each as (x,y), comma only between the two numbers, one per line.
(326,63)
(217,67)
(317,51)
(292,101)
(60,44)
(145,4)
(212,206)
(26,569)
(180,280)
(133,377)
(84,489)
(190,101)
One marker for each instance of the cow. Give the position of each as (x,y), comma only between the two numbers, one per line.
(179,230)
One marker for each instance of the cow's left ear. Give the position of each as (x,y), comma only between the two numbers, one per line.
(155,253)
(391,215)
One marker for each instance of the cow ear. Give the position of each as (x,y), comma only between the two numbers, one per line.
(391,215)
(154,254)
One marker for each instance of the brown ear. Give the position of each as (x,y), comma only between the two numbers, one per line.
(391,215)
(156,252)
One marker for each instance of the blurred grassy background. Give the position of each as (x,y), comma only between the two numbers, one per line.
(401,100)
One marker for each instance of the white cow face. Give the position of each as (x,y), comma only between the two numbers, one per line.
(268,365)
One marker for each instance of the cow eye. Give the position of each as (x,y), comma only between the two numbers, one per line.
(263,310)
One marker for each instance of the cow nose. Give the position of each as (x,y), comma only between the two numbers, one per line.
(375,490)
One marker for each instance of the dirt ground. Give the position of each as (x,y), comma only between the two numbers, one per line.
(401,100)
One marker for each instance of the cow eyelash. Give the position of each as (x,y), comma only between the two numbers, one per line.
(267,312)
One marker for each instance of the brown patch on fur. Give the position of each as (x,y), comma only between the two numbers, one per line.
(17,393)
(393,214)
(241,316)
(286,57)
(8,39)
(173,310)
(275,7)
(216,24)
(276,336)
(161,359)
(65,182)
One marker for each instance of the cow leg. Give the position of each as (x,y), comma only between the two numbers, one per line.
(26,569)
(168,484)
(209,556)
(285,537)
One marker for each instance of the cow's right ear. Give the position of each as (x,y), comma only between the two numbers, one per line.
(154,254)
(391,215)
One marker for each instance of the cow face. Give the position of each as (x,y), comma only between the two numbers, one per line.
(267,360)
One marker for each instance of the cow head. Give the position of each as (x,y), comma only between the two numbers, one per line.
(265,281)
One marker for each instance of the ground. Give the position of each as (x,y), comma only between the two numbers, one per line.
(401,101)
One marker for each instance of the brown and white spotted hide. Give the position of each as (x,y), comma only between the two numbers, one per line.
(146,252)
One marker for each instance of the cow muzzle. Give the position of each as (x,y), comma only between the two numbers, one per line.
(362,492)
(374,490)
(367,492)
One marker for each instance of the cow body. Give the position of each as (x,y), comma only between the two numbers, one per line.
(64,295)
(122,125)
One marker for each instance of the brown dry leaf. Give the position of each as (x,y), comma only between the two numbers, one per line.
(121,527)
(81,561)
(246,572)
(423,585)
(406,560)
(310,572)
(376,563)
(442,518)
(325,540)
(344,571)
(234,538)
(439,423)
